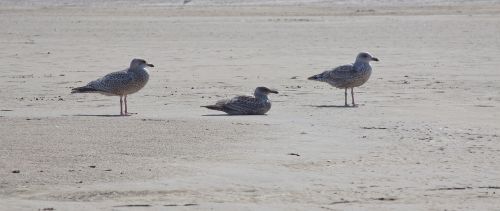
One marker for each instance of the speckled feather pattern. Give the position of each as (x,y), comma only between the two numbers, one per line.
(245,105)
(123,82)
(347,76)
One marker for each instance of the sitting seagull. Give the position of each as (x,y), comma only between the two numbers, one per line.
(120,83)
(348,76)
(246,105)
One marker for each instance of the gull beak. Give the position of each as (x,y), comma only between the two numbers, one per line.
(374,59)
(150,65)
(273,91)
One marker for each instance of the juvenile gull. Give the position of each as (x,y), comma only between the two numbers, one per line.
(348,76)
(120,83)
(246,105)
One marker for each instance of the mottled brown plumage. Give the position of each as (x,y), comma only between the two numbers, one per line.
(246,105)
(348,76)
(120,83)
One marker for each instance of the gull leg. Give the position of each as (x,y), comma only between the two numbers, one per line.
(345,97)
(352,95)
(126,106)
(125,99)
(121,105)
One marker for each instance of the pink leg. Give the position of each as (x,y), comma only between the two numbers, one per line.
(352,95)
(121,105)
(125,98)
(345,97)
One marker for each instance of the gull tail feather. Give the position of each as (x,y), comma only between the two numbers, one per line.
(83,89)
(213,107)
(315,77)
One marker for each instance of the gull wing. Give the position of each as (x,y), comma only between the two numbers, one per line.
(340,72)
(241,105)
(113,82)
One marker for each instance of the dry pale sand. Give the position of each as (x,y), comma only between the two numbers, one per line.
(425,136)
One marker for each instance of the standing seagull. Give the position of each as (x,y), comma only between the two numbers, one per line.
(246,105)
(348,76)
(120,83)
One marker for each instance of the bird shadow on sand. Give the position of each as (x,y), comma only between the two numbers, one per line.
(232,115)
(101,115)
(333,106)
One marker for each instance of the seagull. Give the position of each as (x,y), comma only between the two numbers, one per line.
(246,105)
(120,83)
(348,76)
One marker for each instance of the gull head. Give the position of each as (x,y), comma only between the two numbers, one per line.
(139,63)
(264,91)
(365,57)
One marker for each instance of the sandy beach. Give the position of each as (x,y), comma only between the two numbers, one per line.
(425,135)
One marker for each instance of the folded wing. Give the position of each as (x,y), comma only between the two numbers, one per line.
(115,82)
